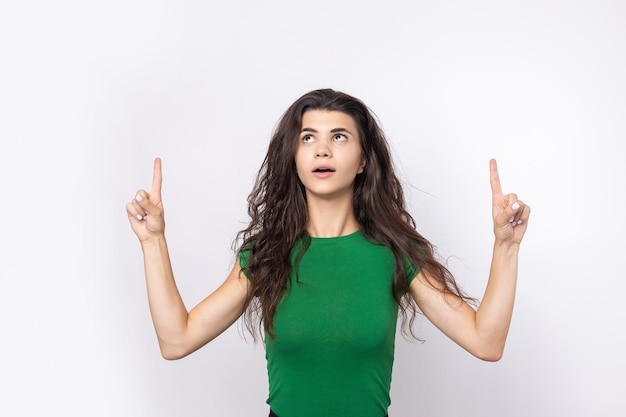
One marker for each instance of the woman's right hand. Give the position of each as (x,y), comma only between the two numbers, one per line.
(145,211)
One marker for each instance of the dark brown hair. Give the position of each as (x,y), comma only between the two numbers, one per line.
(278,211)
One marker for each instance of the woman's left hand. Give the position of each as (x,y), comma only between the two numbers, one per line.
(510,215)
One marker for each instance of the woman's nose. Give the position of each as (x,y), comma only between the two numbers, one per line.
(322,151)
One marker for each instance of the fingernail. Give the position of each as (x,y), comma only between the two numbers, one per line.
(139,198)
(515,206)
(511,219)
(519,222)
(139,217)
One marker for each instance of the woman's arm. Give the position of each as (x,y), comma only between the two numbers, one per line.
(482,332)
(179,332)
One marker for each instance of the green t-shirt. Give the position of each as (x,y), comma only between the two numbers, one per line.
(335,331)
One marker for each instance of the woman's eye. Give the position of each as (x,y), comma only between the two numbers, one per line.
(340,138)
(307,138)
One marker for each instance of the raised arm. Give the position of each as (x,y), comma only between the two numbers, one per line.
(483,332)
(179,332)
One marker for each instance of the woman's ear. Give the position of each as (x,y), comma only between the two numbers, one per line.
(362,166)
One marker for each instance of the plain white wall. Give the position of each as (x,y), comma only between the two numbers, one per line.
(91,92)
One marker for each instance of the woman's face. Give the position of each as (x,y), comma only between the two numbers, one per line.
(328,155)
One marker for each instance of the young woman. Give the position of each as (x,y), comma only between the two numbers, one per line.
(329,258)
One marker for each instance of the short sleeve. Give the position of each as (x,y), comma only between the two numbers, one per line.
(244,259)
(411,270)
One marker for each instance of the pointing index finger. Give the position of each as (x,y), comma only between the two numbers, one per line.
(157,180)
(496,187)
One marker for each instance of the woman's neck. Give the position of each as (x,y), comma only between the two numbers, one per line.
(331,218)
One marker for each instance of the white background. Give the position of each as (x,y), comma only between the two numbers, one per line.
(91,92)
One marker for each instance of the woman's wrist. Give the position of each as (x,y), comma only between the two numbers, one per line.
(153,242)
(506,247)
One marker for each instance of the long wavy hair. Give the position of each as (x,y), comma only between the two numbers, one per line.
(277,207)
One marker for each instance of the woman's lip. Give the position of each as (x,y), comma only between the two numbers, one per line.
(323,174)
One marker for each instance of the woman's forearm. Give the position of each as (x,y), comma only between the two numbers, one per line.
(493,317)
(168,311)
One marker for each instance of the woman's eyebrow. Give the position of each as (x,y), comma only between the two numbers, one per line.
(340,130)
(335,130)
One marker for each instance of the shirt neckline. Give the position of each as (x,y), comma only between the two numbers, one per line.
(337,238)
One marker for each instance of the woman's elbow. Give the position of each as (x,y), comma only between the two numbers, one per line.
(490,354)
(172,352)
(171,356)
(492,357)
